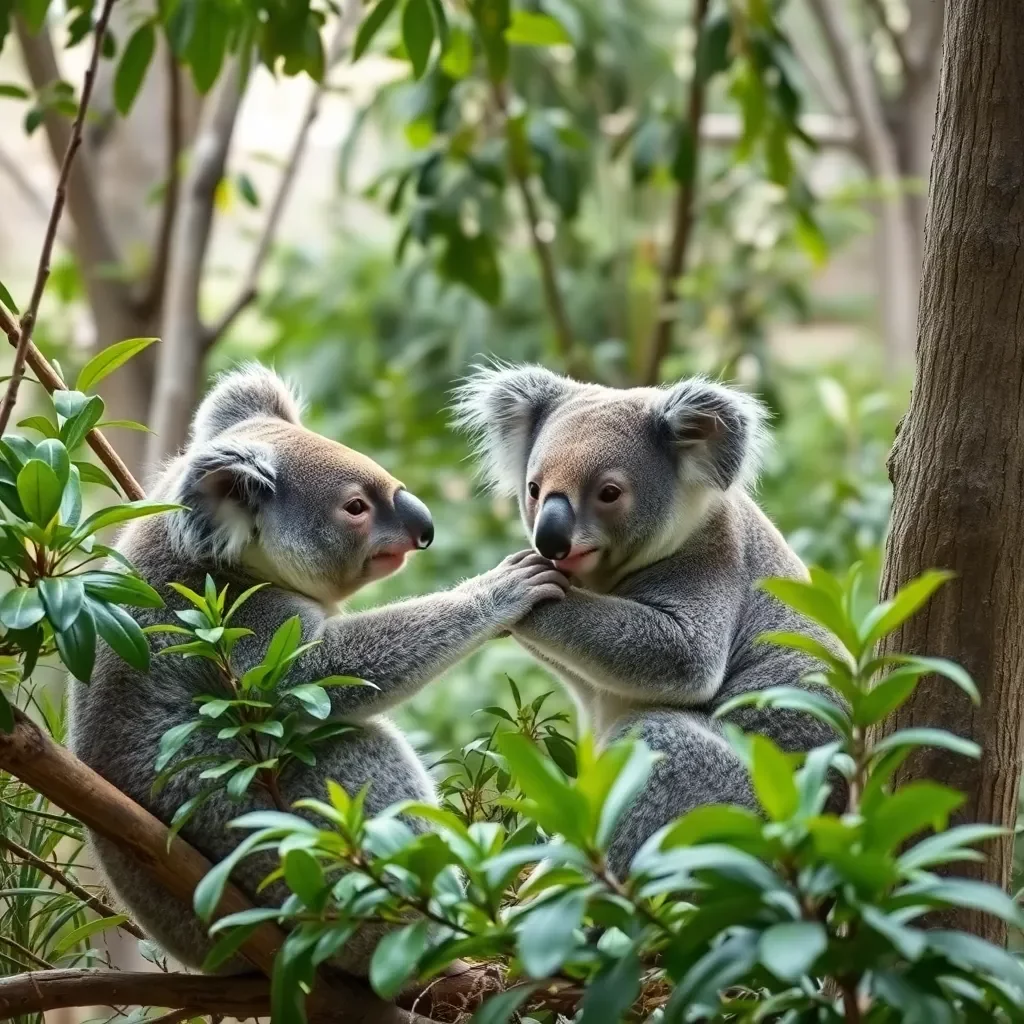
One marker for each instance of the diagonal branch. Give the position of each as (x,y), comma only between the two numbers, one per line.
(682,219)
(93,902)
(52,381)
(28,320)
(894,37)
(248,292)
(153,295)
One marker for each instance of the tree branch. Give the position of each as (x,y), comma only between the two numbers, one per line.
(51,871)
(52,381)
(28,319)
(93,244)
(682,219)
(153,294)
(247,293)
(906,65)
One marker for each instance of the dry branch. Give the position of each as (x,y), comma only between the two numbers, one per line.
(28,319)
(682,220)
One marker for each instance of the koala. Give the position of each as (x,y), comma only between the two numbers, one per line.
(641,496)
(270,501)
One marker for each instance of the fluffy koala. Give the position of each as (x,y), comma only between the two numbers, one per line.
(640,496)
(270,501)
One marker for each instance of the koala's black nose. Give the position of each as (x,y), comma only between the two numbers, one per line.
(552,534)
(415,517)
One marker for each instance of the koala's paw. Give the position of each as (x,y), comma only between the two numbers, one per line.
(519,583)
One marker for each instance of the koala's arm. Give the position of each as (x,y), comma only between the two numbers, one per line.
(672,656)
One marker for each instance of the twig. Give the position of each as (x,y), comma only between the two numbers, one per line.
(28,320)
(92,901)
(52,381)
(26,953)
(153,295)
(682,220)
(249,290)
(906,65)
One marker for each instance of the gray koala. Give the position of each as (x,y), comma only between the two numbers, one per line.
(272,501)
(640,496)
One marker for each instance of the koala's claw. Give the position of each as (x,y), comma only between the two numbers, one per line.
(519,583)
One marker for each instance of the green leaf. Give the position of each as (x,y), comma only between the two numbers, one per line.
(86,931)
(629,780)
(927,738)
(818,605)
(239,783)
(122,633)
(946,846)
(910,809)
(790,698)
(802,642)
(21,608)
(172,741)
(712,822)
(886,696)
(908,942)
(131,70)
(789,950)
(345,681)
(124,425)
(121,514)
(40,491)
(228,944)
(370,26)
(76,645)
(92,474)
(417,34)
(713,47)
(396,957)
(210,889)
(939,666)
(529,29)
(70,511)
(7,300)
(473,261)
(40,423)
(76,427)
(247,190)
(284,642)
(499,1009)
(773,779)
(612,992)
(457,60)
(63,598)
(120,588)
(964,892)
(109,359)
(546,933)
(974,953)
(890,615)
(312,697)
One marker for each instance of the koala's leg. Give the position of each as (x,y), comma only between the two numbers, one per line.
(697,767)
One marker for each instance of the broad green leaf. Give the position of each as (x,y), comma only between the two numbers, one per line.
(417,34)
(284,642)
(816,604)
(121,632)
(546,932)
(927,738)
(120,588)
(86,931)
(789,950)
(371,25)
(124,425)
(457,60)
(210,889)
(939,666)
(63,598)
(92,474)
(629,780)
(396,957)
(41,424)
(965,892)
(773,779)
(111,358)
(908,942)
(345,681)
(529,29)
(76,645)
(228,944)
(886,696)
(312,697)
(40,491)
(974,953)
(241,600)
(612,992)
(75,429)
(802,642)
(473,261)
(239,783)
(913,807)
(130,72)
(21,608)
(70,511)
(122,514)
(172,741)
(946,846)
(500,1008)
(790,698)
(890,615)
(713,47)
(55,455)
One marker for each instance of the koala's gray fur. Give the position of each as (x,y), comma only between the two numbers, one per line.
(268,501)
(659,627)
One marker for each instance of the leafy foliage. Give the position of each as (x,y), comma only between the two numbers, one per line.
(724,915)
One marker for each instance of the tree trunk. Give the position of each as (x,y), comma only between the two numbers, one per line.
(958,463)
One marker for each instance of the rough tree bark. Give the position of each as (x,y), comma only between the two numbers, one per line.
(958,463)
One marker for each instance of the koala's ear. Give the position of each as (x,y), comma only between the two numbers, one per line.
(245,393)
(502,408)
(719,432)
(226,485)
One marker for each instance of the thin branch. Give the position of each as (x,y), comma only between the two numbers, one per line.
(249,290)
(153,295)
(896,38)
(52,381)
(541,247)
(28,320)
(51,871)
(682,219)
(31,957)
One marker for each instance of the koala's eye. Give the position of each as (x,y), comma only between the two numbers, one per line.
(609,493)
(356,507)
(534,490)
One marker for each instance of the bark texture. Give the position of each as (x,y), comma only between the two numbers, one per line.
(958,463)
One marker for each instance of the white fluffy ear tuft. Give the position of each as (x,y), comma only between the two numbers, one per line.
(502,407)
(720,432)
(226,485)
(250,391)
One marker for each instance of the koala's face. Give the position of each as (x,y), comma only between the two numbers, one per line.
(609,480)
(292,506)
